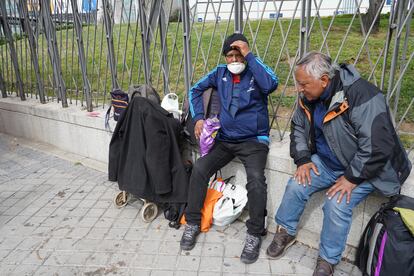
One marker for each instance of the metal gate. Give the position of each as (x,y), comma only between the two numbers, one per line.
(76,51)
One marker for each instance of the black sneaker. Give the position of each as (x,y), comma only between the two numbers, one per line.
(188,240)
(251,249)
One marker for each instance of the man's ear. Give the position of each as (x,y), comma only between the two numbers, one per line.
(325,80)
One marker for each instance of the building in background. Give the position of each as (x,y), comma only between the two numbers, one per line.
(256,9)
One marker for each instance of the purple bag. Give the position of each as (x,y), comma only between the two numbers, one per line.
(210,128)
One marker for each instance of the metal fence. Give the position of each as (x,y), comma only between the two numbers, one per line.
(77,51)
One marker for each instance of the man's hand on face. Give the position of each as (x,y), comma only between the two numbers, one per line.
(343,186)
(242,46)
(198,128)
(302,174)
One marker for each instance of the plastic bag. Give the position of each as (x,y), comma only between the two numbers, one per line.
(170,103)
(210,129)
(213,195)
(229,207)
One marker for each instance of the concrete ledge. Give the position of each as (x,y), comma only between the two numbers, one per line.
(69,129)
(73,131)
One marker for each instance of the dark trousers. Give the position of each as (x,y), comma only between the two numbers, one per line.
(253,155)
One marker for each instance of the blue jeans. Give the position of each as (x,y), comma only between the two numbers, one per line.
(337,216)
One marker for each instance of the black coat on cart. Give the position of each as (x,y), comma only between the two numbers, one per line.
(144,154)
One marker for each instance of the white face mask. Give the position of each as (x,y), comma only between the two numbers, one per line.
(236,67)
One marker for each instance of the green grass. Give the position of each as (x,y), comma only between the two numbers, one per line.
(98,67)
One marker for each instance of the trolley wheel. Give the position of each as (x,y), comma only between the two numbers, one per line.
(149,211)
(121,199)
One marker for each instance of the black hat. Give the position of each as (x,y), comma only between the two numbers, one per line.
(230,39)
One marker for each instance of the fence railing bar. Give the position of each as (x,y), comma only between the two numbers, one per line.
(238,16)
(88,30)
(303,30)
(187,46)
(2,85)
(285,37)
(174,46)
(239,10)
(66,47)
(33,50)
(273,27)
(407,17)
(407,23)
(199,38)
(318,7)
(391,27)
(153,27)
(330,25)
(258,27)
(158,24)
(109,39)
(251,31)
(134,48)
(164,55)
(216,23)
(225,34)
(93,70)
(376,64)
(81,55)
(401,75)
(394,60)
(165,66)
(13,54)
(73,67)
(101,56)
(364,34)
(347,32)
(282,94)
(121,21)
(124,65)
(19,45)
(369,32)
(405,114)
(144,42)
(15,83)
(59,26)
(3,68)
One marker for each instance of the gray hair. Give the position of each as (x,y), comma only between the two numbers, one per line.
(317,64)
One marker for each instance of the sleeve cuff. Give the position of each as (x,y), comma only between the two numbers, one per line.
(353,179)
(249,56)
(302,161)
(198,117)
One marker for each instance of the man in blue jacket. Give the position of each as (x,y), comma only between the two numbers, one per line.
(243,85)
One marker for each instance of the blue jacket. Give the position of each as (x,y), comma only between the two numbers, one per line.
(251,120)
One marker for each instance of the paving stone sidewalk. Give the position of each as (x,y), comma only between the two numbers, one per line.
(57,218)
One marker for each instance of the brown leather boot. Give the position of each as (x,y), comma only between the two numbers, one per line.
(323,268)
(281,241)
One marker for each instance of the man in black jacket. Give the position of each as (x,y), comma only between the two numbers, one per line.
(343,140)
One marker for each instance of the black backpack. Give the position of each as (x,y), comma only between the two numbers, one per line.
(387,245)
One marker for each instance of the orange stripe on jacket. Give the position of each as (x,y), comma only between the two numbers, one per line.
(335,113)
(306,111)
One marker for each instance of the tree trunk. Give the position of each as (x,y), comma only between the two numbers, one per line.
(368,18)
